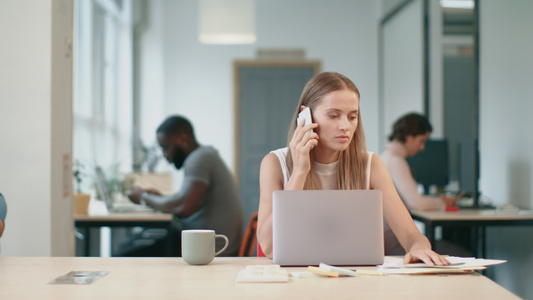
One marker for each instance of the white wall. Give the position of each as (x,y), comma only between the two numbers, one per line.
(506,101)
(403,79)
(36,122)
(149,30)
(506,141)
(199,78)
(436,84)
(402,65)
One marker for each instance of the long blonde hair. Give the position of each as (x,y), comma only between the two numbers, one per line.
(352,162)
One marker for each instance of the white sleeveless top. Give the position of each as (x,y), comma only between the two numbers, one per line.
(327,173)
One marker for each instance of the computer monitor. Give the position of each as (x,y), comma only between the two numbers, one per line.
(430,167)
(468,176)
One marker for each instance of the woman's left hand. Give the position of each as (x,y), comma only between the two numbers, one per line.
(426,255)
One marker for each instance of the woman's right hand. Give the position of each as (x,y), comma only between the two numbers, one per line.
(301,144)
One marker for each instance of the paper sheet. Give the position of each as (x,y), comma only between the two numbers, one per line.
(458,265)
(456,262)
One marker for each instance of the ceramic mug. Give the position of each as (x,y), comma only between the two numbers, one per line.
(198,246)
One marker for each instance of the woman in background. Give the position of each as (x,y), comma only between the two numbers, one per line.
(408,137)
(334,156)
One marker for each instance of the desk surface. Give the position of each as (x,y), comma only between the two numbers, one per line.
(476,219)
(124,217)
(166,278)
(473,214)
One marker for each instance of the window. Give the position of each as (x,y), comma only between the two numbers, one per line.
(103,105)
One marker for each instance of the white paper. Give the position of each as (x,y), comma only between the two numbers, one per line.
(456,263)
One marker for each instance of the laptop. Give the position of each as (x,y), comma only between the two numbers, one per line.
(108,198)
(336,227)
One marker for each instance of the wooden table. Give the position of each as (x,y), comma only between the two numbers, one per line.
(172,278)
(123,219)
(478,219)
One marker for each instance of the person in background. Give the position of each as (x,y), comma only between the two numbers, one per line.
(208,198)
(334,156)
(3,213)
(409,135)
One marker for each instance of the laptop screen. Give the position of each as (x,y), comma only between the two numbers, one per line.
(338,227)
(101,185)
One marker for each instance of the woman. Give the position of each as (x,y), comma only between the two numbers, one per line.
(409,135)
(334,156)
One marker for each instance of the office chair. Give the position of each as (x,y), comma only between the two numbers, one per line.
(249,241)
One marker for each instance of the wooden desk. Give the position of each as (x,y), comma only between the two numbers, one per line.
(478,219)
(124,219)
(147,219)
(172,278)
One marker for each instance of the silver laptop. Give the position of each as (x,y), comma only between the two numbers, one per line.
(336,227)
(108,199)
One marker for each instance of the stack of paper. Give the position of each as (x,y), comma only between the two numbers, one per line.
(395,265)
(263,273)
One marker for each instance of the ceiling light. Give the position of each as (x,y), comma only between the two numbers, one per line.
(461,4)
(227,22)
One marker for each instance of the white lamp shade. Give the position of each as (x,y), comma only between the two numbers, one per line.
(227,21)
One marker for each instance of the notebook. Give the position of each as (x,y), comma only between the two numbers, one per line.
(335,227)
(108,199)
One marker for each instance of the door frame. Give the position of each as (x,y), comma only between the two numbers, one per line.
(237,65)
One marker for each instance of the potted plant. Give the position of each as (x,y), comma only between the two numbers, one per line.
(81,200)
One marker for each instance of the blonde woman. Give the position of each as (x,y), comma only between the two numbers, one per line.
(334,156)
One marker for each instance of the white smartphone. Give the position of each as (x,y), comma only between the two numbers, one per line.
(305,115)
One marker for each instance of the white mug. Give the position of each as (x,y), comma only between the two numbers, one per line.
(198,246)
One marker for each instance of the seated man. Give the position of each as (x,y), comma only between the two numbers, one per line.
(208,198)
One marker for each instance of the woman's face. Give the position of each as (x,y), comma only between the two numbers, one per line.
(415,143)
(337,119)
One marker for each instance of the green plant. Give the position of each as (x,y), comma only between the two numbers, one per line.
(79,174)
(146,157)
(116,181)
